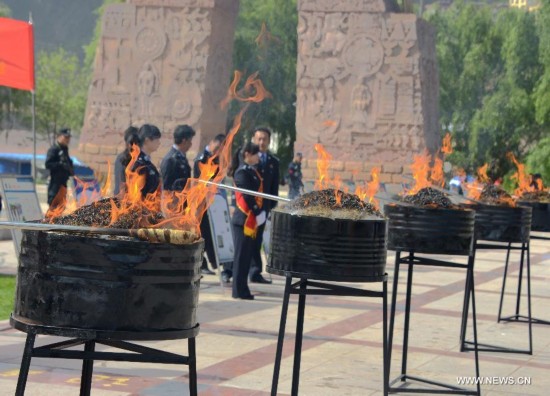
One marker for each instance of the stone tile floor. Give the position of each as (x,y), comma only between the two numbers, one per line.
(342,348)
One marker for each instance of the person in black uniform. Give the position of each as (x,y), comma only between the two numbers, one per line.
(131,138)
(247,219)
(60,165)
(211,149)
(269,170)
(149,137)
(295,184)
(175,168)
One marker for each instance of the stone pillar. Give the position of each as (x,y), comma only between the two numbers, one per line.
(163,62)
(367,87)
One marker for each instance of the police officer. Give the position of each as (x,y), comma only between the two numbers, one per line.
(247,219)
(60,165)
(122,160)
(210,150)
(149,137)
(268,167)
(295,184)
(175,168)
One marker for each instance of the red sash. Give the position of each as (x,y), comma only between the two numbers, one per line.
(250,225)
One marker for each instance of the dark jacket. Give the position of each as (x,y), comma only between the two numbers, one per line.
(144,166)
(175,170)
(203,159)
(60,164)
(248,177)
(270,175)
(121,162)
(295,175)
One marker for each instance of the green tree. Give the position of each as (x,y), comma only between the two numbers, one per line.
(270,50)
(538,160)
(61,92)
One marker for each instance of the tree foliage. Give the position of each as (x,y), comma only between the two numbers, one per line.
(61,92)
(494,94)
(266,42)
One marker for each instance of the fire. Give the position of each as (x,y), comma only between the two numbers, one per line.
(428,171)
(372,187)
(324,181)
(420,171)
(323,163)
(446,147)
(522,177)
(183,209)
(474,189)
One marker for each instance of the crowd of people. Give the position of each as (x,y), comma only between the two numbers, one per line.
(253,167)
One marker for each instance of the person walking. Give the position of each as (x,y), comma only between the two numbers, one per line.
(247,219)
(60,165)
(295,184)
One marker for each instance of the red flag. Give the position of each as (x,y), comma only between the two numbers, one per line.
(16,54)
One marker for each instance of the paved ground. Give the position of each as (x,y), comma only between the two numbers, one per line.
(342,349)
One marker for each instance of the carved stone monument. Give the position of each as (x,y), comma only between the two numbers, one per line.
(367,87)
(163,62)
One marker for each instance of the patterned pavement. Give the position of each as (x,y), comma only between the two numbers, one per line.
(342,346)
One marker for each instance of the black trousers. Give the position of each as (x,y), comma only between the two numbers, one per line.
(53,189)
(244,248)
(256,265)
(206,233)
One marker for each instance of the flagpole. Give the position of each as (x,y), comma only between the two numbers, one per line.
(33,119)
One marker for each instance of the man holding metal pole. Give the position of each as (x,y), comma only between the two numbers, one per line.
(60,165)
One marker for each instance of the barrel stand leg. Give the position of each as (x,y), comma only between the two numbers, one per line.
(192,366)
(25,364)
(407,317)
(87,370)
(299,337)
(504,283)
(280,340)
(392,311)
(385,336)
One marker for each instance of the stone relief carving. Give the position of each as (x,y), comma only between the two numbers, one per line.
(362,78)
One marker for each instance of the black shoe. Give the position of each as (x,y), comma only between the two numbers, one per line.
(260,279)
(250,297)
(226,278)
(206,271)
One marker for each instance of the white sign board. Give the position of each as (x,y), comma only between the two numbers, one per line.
(20,202)
(222,234)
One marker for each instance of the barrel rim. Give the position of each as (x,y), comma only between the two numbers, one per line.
(333,278)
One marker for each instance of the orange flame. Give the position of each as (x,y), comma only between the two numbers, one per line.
(420,169)
(523,179)
(182,209)
(323,163)
(474,188)
(446,147)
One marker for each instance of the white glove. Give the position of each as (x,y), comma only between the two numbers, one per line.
(260,219)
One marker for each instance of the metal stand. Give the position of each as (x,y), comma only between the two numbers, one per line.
(113,339)
(305,287)
(412,260)
(517,317)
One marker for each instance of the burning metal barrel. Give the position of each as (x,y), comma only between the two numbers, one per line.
(428,223)
(540,220)
(502,223)
(107,283)
(328,235)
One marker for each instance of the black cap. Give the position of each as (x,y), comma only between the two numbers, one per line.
(64,132)
(299,155)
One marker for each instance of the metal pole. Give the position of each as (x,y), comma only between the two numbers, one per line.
(66,228)
(33,117)
(245,191)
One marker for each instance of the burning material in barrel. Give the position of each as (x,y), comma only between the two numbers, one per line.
(494,195)
(536,196)
(333,203)
(429,197)
(99,214)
